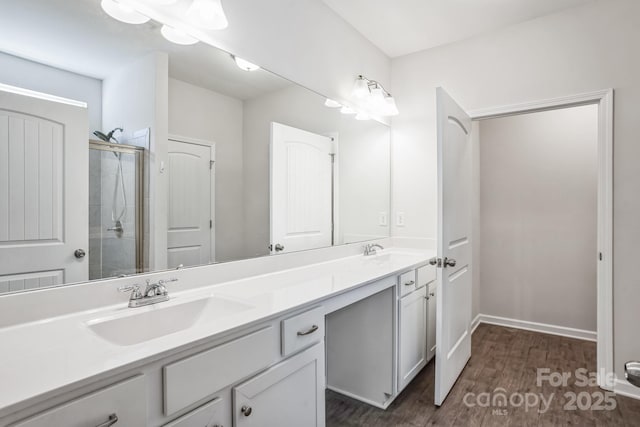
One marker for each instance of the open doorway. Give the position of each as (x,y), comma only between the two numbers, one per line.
(566,181)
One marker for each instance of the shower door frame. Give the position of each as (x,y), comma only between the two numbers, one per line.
(138,153)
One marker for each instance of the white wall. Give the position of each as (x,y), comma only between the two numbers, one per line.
(26,74)
(583,49)
(135,98)
(364,172)
(538,217)
(199,113)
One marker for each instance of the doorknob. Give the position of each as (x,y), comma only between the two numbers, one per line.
(279,247)
(449,262)
(79,253)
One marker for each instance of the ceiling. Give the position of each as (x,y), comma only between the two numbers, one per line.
(400,27)
(78,36)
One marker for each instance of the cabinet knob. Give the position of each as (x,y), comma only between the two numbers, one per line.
(410,283)
(246,410)
(432,294)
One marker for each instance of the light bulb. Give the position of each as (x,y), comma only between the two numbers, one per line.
(123,12)
(360,88)
(391,109)
(245,65)
(362,116)
(347,110)
(332,104)
(177,36)
(208,14)
(377,99)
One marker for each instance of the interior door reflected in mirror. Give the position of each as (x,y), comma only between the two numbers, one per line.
(141,155)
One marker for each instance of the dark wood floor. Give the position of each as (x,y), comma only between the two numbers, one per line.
(501,357)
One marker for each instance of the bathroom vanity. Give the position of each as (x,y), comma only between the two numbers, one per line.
(250,352)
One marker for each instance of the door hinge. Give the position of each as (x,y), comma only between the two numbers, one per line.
(211,163)
(210,223)
(600,256)
(333,157)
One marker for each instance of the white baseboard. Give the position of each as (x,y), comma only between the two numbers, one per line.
(475,323)
(564,331)
(625,388)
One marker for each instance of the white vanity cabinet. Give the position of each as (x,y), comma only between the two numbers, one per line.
(290,394)
(122,404)
(412,337)
(432,294)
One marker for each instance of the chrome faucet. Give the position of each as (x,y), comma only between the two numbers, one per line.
(371,248)
(153,293)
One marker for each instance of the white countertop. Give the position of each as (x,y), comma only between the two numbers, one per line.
(41,357)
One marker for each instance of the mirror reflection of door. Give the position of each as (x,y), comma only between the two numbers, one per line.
(301,189)
(190,239)
(43,193)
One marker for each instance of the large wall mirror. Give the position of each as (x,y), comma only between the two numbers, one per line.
(174,156)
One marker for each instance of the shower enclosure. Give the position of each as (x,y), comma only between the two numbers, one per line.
(116,213)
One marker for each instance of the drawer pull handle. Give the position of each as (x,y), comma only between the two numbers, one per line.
(308,331)
(113,418)
(246,410)
(411,283)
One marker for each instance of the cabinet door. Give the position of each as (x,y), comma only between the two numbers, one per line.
(412,350)
(431,320)
(290,394)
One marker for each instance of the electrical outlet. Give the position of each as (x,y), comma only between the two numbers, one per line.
(382,219)
(400,219)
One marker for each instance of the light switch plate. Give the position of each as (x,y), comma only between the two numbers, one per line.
(382,219)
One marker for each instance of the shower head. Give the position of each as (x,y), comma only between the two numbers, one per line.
(108,137)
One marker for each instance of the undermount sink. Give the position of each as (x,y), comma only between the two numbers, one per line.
(144,324)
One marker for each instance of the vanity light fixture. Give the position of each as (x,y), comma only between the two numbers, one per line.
(177,36)
(377,100)
(123,12)
(208,14)
(245,65)
(347,110)
(332,104)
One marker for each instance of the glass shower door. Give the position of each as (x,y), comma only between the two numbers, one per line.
(115,210)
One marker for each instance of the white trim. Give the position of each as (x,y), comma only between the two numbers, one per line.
(544,328)
(41,95)
(625,388)
(475,323)
(604,99)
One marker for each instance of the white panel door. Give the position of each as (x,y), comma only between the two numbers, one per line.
(189,218)
(301,187)
(44,202)
(453,313)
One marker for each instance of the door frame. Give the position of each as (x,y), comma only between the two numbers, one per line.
(212,176)
(604,99)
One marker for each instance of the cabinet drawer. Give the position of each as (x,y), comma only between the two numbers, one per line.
(425,274)
(302,330)
(196,377)
(126,400)
(208,415)
(407,283)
